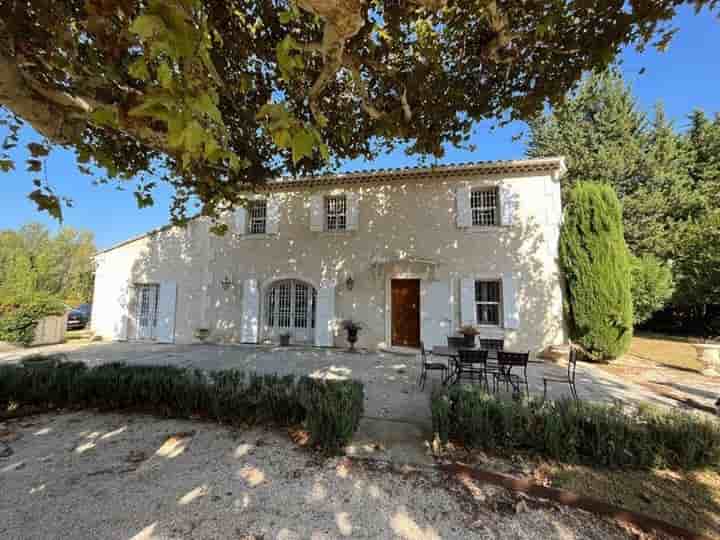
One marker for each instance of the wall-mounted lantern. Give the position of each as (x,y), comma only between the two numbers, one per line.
(349,283)
(226,283)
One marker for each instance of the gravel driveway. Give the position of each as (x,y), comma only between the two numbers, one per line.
(85,475)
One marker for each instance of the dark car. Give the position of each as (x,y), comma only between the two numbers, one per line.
(79,317)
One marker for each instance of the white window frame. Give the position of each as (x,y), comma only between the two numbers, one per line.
(336,220)
(497,303)
(481,208)
(147,300)
(257,216)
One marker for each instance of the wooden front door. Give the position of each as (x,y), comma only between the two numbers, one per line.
(405,308)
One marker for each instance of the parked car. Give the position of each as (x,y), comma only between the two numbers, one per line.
(79,317)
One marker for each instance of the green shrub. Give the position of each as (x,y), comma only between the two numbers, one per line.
(18,322)
(596,265)
(651,285)
(333,410)
(330,410)
(576,432)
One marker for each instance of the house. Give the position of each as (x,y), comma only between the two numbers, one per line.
(411,254)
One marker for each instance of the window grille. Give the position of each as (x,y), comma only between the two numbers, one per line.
(147,305)
(487,302)
(483,203)
(258,217)
(336,213)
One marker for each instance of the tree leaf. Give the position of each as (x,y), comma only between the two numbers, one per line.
(302,145)
(147,26)
(38,150)
(47,202)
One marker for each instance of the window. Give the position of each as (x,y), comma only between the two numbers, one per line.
(336,213)
(484,207)
(487,302)
(258,217)
(147,309)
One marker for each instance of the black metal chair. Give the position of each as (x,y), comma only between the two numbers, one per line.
(456,342)
(506,362)
(428,365)
(471,365)
(569,379)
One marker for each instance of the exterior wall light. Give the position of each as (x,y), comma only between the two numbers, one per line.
(349,283)
(226,283)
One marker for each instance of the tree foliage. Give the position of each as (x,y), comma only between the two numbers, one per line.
(596,265)
(651,285)
(212,95)
(35,264)
(669,182)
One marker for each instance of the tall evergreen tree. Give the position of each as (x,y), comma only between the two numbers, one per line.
(596,264)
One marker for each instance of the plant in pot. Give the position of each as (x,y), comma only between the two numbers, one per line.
(285,339)
(707,348)
(468,332)
(352,328)
(202,334)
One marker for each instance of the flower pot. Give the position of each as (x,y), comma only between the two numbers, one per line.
(352,337)
(708,354)
(469,340)
(285,340)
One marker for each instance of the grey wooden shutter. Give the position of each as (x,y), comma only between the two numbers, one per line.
(240,217)
(507,204)
(462,203)
(325,316)
(272,224)
(317,213)
(467,301)
(353,211)
(510,303)
(250,312)
(165,330)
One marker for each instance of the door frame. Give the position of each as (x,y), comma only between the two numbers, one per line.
(265,333)
(388,301)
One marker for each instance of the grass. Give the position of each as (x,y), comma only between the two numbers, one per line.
(687,499)
(669,351)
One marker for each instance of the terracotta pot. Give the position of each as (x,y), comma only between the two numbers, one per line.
(709,355)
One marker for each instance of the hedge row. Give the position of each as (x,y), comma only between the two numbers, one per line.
(18,322)
(330,410)
(576,432)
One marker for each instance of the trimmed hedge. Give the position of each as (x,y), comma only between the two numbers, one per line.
(576,432)
(330,410)
(18,323)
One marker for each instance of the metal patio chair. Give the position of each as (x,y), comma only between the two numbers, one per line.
(569,379)
(506,362)
(471,365)
(426,364)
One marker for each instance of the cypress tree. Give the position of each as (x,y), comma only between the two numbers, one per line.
(596,264)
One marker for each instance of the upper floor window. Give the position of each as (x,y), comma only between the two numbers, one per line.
(257,212)
(484,207)
(336,213)
(487,302)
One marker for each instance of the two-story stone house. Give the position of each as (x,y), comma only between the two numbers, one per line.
(411,254)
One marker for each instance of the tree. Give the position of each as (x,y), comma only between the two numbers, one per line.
(213,95)
(651,286)
(33,263)
(599,130)
(596,265)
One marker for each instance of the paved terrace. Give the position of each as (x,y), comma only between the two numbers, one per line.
(397,415)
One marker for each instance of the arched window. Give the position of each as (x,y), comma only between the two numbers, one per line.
(290,309)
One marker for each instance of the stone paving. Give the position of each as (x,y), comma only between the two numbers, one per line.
(397,415)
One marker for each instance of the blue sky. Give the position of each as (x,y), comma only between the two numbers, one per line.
(685,77)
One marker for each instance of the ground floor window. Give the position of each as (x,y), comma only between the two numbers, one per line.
(146,304)
(290,308)
(487,302)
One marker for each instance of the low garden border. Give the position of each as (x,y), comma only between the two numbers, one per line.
(329,410)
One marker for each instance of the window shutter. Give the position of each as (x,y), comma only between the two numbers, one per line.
(510,305)
(462,201)
(435,312)
(272,225)
(251,312)
(166,312)
(317,213)
(120,324)
(353,210)
(325,316)
(507,204)
(240,220)
(467,301)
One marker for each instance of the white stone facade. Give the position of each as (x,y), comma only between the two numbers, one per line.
(414,224)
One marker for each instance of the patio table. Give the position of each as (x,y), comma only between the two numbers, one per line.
(451,353)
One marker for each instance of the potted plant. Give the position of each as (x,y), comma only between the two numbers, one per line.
(707,349)
(469,332)
(285,339)
(352,328)
(202,334)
